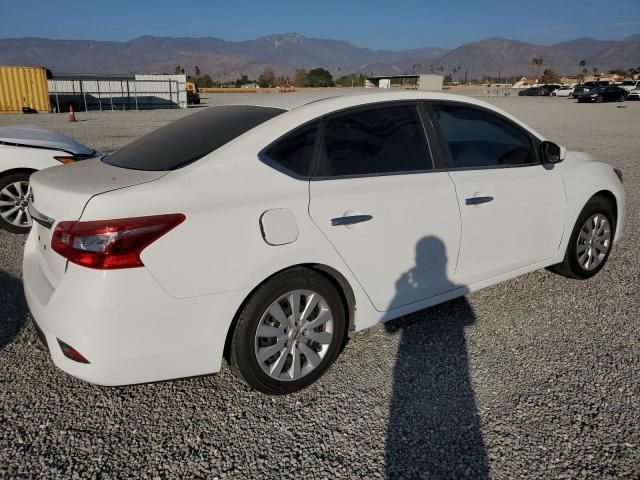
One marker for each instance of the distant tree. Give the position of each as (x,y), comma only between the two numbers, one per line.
(267,79)
(300,78)
(178,69)
(243,80)
(351,80)
(537,63)
(549,76)
(583,70)
(205,81)
(320,77)
(595,71)
(448,78)
(416,67)
(197,71)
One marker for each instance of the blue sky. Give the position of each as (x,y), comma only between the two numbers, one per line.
(372,23)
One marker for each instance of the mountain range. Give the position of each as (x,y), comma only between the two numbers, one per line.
(227,60)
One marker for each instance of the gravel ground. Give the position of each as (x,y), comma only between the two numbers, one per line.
(534,378)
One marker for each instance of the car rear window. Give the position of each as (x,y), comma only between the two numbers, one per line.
(186,140)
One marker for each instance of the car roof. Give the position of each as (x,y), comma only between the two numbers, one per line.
(304,106)
(348,97)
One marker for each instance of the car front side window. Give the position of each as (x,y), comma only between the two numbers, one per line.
(476,138)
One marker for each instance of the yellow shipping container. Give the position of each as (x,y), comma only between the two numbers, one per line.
(24,87)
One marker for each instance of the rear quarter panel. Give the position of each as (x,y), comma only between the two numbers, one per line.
(220,247)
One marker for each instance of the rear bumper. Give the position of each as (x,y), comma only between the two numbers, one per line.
(125,324)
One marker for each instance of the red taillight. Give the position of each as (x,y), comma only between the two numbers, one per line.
(111,244)
(70,352)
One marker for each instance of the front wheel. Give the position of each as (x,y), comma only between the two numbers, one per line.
(289,332)
(14,201)
(590,242)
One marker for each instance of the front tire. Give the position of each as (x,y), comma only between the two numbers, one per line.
(14,199)
(288,333)
(590,242)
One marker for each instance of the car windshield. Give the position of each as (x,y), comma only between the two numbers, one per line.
(598,90)
(628,82)
(190,138)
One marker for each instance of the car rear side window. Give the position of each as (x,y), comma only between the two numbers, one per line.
(376,140)
(476,138)
(190,138)
(295,150)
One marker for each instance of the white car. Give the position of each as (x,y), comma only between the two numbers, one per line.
(23,150)
(564,91)
(629,85)
(634,94)
(269,235)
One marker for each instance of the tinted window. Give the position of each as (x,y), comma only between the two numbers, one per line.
(294,151)
(480,139)
(383,139)
(190,138)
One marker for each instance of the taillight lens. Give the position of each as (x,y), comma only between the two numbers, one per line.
(111,244)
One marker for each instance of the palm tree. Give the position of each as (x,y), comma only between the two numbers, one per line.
(583,66)
(537,62)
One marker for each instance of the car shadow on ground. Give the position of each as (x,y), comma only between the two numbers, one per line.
(13,308)
(434,427)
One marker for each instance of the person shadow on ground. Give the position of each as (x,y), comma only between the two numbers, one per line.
(434,427)
(13,308)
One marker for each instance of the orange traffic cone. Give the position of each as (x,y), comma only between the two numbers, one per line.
(72,115)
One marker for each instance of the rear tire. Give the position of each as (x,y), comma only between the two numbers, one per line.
(588,252)
(14,197)
(279,345)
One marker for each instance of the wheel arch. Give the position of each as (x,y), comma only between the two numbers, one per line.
(339,281)
(13,171)
(611,198)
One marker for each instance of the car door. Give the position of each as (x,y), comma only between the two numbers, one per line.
(512,205)
(376,197)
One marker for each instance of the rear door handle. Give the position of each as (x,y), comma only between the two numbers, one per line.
(478,200)
(350,220)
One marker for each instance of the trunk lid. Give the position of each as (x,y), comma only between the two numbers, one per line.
(61,193)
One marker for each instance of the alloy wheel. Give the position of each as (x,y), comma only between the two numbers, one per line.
(14,202)
(594,242)
(294,335)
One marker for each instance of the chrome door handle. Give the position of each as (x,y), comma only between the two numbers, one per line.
(350,220)
(478,200)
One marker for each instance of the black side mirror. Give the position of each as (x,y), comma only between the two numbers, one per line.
(551,152)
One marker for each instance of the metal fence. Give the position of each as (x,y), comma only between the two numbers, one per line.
(117,94)
(496,90)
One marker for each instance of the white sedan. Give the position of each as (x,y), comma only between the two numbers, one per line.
(267,236)
(564,91)
(23,150)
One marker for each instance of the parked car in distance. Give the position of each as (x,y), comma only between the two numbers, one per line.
(604,94)
(564,91)
(580,89)
(597,83)
(533,92)
(26,149)
(551,87)
(629,85)
(256,233)
(634,94)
